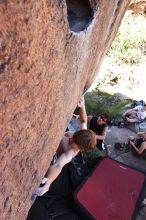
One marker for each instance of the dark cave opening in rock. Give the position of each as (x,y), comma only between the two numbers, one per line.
(79,14)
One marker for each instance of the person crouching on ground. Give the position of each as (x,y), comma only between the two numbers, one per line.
(138,144)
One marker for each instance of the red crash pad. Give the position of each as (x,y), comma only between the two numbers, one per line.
(110,192)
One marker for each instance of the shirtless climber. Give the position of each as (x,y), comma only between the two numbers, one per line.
(70,145)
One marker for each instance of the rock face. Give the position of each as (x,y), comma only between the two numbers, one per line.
(50,50)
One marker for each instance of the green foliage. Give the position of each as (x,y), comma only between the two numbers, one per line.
(101,102)
(130,41)
(115,110)
(92,103)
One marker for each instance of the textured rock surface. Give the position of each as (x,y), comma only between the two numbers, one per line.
(44,67)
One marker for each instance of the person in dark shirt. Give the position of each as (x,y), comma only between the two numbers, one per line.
(138,144)
(99,126)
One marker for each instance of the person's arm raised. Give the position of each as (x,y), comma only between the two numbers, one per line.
(83,114)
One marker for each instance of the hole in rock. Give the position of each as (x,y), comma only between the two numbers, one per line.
(79,14)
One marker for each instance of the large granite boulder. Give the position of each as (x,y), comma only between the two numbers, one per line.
(49,51)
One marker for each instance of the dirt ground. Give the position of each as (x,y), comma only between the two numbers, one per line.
(116,134)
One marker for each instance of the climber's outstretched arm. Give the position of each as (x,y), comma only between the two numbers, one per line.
(53,172)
